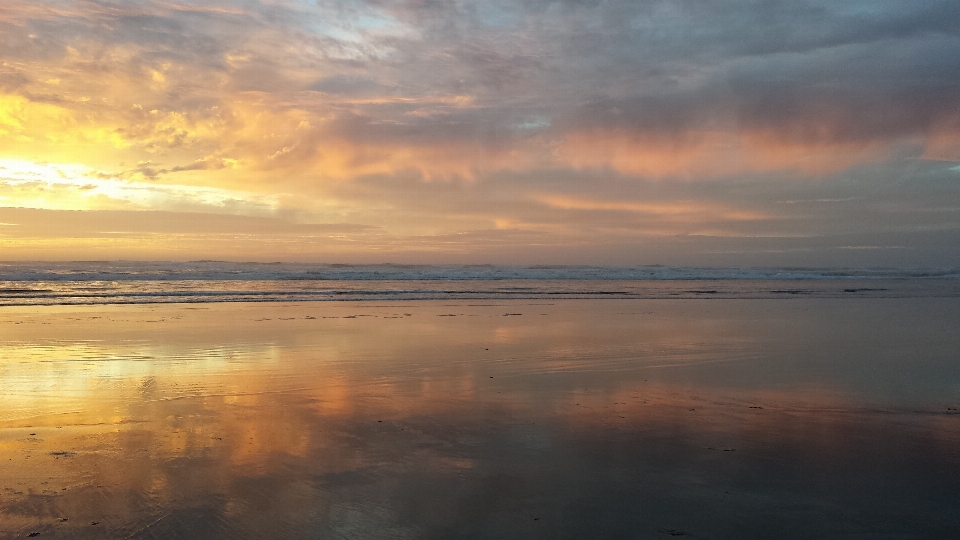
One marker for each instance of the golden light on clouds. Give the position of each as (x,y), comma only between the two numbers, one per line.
(78,187)
(690,210)
(436,121)
(698,155)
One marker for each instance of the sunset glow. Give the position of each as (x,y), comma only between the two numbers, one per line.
(557,132)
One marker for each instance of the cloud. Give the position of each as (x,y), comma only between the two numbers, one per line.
(568,119)
(819,82)
(76,187)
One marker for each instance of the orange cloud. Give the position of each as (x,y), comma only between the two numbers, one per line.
(943,143)
(345,159)
(672,208)
(706,154)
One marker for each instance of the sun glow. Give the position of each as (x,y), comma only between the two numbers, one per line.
(70,186)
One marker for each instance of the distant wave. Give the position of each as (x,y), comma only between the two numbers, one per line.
(221,271)
(216,281)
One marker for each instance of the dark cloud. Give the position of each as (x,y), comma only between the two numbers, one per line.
(349,85)
(806,71)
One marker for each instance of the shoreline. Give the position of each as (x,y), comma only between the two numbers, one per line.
(209,292)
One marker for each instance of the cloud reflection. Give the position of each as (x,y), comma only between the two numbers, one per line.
(215,422)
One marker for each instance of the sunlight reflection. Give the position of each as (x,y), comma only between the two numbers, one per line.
(228,408)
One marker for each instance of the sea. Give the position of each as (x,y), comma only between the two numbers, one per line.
(136,282)
(225,400)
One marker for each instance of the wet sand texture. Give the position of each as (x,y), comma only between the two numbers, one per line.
(706,419)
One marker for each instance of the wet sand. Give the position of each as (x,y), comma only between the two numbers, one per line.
(712,419)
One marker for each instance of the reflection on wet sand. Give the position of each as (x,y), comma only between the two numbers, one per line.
(583,419)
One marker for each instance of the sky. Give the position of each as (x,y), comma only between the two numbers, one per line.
(614,132)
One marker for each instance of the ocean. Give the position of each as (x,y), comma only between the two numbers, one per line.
(129,282)
(215,400)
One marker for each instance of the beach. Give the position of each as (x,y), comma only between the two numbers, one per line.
(479,270)
(703,418)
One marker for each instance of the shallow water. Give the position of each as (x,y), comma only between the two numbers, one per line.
(725,418)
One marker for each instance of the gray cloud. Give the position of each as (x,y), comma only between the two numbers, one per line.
(809,70)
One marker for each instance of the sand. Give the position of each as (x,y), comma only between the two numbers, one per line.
(800,418)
